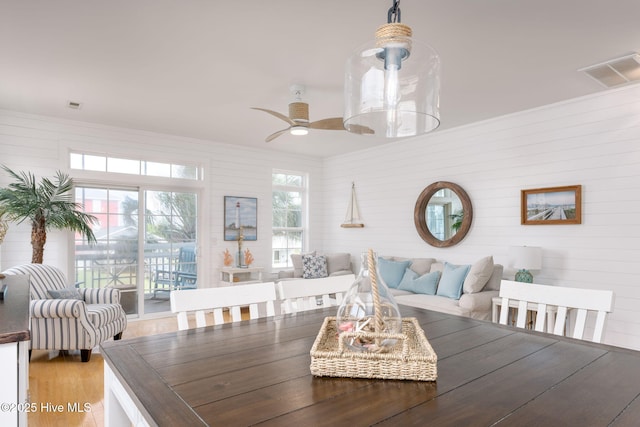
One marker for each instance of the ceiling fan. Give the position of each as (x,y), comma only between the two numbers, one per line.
(298,118)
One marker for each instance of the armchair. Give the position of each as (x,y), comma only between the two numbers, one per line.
(76,319)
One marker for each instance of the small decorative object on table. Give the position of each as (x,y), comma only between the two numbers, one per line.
(369,339)
(248,257)
(240,240)
(228,259)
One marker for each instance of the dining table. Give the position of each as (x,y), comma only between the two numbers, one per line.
(257,372)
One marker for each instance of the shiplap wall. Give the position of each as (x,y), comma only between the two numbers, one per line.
(39,144)
(592,141)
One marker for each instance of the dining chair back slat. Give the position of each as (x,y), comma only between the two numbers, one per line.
(563,299)
(214,300)
(309,294)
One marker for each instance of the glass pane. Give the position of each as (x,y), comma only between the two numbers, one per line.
(75,161)
(287,209)
(95,163)
(123,166)
(284,243)
(157,169)
(294,180)
(172,216)
(279,179)
(187,172)
(113,260)
(170,246)
(279,218)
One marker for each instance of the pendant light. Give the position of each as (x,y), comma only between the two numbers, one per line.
(392,83)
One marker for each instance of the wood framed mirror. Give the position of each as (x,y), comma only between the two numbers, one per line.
(443,214)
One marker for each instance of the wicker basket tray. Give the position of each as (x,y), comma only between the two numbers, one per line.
(412,358)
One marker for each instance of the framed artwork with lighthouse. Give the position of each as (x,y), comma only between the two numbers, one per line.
(240,218)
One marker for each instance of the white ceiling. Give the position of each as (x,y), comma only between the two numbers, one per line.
(195,67)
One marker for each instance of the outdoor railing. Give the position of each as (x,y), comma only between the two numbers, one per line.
(100,266)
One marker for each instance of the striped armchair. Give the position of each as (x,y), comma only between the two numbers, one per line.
(80,322)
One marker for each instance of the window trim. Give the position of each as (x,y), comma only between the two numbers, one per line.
(303,189)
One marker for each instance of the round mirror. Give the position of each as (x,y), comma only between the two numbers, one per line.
(443,214)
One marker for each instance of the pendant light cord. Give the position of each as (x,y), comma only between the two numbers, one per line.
(393,15)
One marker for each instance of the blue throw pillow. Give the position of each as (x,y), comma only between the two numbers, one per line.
(392,271)
(453,276)
(425,284)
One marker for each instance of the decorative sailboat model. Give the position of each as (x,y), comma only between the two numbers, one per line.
(352,219)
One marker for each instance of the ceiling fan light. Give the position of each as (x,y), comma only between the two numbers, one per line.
(299,130)
(392,85)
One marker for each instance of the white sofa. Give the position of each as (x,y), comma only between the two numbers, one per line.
(337,264)
(481,284)
(300,282)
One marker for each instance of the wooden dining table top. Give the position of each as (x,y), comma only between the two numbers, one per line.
(257,372)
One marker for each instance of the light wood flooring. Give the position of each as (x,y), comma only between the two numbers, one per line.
(59,379)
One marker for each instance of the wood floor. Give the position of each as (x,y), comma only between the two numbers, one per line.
(67,392)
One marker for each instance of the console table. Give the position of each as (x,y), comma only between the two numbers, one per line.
(245,275)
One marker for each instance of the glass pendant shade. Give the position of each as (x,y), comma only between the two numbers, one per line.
(360,313)
(392,86)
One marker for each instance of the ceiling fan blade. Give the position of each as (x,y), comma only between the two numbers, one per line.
(359,129)
(276,114)
(276,134)
(334,123)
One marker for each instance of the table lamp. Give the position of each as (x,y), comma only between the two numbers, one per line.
(525,258)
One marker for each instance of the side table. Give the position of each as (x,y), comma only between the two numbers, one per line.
(244,275)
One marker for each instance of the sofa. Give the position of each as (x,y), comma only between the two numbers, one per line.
(312,265)
(331,273)
(460,289)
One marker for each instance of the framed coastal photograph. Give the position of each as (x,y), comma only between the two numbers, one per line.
(553,205)
(240,218)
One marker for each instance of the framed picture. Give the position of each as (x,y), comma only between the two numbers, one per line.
(554,205)
(240,218)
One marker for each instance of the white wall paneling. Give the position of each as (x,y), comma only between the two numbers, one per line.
(592,141)
(38,144)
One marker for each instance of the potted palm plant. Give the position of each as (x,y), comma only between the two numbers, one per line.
(48,205)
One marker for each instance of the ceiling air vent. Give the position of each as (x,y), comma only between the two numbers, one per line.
(74,105)
(616,72)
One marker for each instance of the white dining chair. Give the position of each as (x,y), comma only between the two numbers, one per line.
(309,294)
(559,299)
(214,300)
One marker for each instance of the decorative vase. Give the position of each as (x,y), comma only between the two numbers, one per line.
(368,315)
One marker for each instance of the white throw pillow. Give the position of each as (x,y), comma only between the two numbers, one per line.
(338,262)
(478,276)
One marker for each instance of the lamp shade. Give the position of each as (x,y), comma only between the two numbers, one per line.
(526,257)
(392,86)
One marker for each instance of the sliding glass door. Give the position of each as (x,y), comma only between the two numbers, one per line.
(146,244)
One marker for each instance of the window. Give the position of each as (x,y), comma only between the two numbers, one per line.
(110,164)
(146,231)
(289,217)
